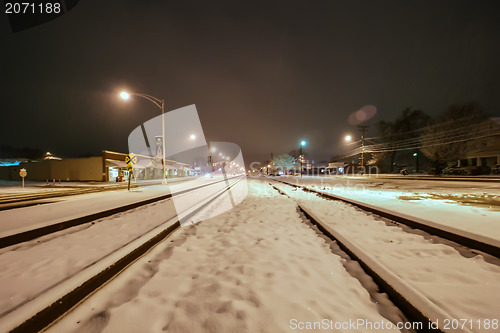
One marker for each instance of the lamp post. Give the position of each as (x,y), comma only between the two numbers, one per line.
(161,104)
(348,138)
(363,129)
(301,157)
(417,169)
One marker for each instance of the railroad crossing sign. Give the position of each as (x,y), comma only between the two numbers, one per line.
(23,173)
(131,159)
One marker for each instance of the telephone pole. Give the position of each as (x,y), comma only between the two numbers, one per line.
(363,129)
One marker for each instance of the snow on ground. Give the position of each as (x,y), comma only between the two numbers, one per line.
(256,268)
(460,281)
(470,206)
(34,268)
(20,219)
(10,187)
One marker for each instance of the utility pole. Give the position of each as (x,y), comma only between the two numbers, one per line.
(301,156)
(363,129)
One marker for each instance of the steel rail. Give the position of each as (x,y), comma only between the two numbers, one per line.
(57,309)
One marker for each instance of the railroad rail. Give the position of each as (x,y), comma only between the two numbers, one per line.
(28,235)
(17,200)
(415,301)
(478,242)
(108,268)
(405,297)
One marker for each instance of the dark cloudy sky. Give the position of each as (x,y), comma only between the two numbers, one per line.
(263,74)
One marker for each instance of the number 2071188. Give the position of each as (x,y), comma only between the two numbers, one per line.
(32,8)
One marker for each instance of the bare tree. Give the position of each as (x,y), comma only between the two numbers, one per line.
(284,162)
(405,127)
(445,140)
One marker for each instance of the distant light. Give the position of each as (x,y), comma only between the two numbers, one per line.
(415,154)
(192,137)
(348,138)
(303,143)
(269,166)
(213,149)
(227,158)
(125,95)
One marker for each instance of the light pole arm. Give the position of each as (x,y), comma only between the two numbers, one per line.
(161,104)
(158,102)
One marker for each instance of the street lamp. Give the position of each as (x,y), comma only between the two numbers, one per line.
(363,129)
(348,138)
(302,144)
(161,104)
(417,169)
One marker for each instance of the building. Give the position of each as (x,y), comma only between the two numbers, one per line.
(336,168)
(484,151)
(110,166)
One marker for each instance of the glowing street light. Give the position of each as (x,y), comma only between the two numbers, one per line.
(161,104)
(192,136)
(301,157)
(417,168)
(348,138)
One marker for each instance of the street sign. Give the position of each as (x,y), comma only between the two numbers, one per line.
(129,168)
(131,159)
(23,173)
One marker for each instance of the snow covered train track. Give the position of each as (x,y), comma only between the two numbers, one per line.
(41,305)
(423,275)
(467,239)
(59,192)
(32,233)
(10,200)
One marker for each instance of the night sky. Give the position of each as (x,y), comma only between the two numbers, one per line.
(262,74)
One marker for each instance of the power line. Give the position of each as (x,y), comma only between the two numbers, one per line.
(455,135)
